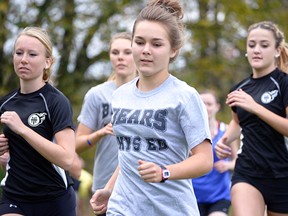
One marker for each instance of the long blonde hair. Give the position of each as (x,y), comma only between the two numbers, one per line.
(41,35)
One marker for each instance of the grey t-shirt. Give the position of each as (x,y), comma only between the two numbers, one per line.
(96,113)
(159,126)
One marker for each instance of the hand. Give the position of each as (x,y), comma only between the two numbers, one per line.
(222,149)
(4,147)
(99,201)
(13,121)
(149,172)
(221,166)
(241,99)
(107,130)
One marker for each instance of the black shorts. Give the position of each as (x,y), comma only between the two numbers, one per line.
(61,206)
(274,191)
(219,206)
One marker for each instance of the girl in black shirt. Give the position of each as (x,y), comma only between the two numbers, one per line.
(260,108)
(38,128)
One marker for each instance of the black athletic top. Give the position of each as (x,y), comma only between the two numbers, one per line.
(31,177)
(264,151)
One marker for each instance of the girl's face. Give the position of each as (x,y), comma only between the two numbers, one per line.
(151,48)
(261,50)
(211,104)
(29,58)
(121,57)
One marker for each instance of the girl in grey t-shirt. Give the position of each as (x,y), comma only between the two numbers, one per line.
(95,126)
(157,120)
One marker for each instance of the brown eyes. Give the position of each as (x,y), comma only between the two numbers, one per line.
(263,45)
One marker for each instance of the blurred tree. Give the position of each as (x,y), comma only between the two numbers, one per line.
(6,72)
(80,30)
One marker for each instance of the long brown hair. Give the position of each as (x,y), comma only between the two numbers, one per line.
(169,13)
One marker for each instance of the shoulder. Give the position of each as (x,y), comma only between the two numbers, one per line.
(52,90)
(9,95)
(279,79)
(53,95)
(180,85)
(126,86)
(100,88)
(279,75)
(6,98)
(241,84)
(182,90)
(103,86)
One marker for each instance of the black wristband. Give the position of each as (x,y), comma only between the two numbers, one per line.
(165,174)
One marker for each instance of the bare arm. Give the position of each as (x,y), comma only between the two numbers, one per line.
(85,133)
(233,130)
(60,153)
(198,164)
(235,145)
(279,123)
(225,165)
(100,198)
(222,148)
(245,101)
(76,167)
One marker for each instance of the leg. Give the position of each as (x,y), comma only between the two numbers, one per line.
(246,200)
(220,208)
(218,213)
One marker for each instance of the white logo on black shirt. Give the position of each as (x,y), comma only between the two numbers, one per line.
(267,97)
(36,119)
(14,206)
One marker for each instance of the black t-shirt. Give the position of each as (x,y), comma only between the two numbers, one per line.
(31,177)
(264,151)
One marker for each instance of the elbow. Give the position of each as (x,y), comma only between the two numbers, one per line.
(67,163)
(66,166)
(80,145)
(207,165)
(76,175)
(210,163)
(206,168)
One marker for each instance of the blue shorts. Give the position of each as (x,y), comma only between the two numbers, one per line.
(274,191)
(219,206)
(61,206)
